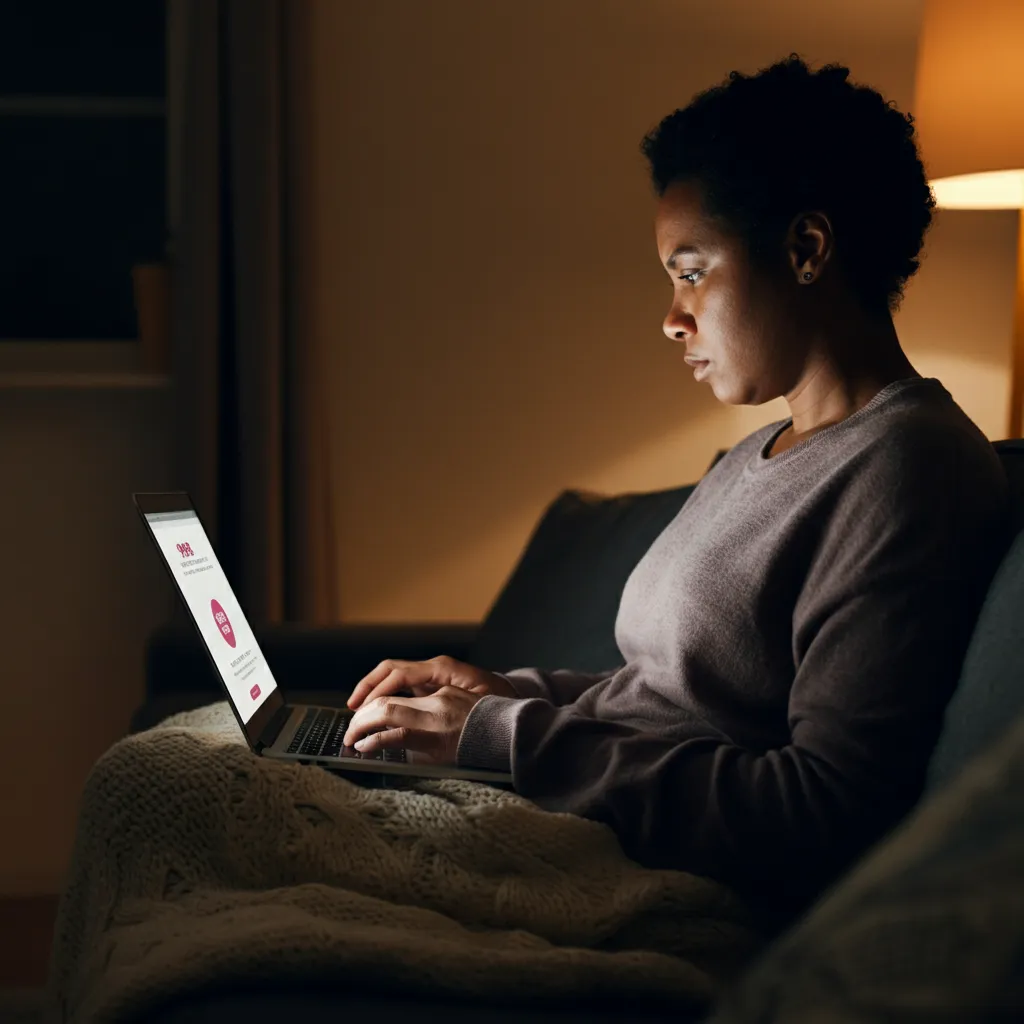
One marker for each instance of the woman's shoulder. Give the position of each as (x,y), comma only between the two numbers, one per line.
(924,432)
(922,460)
(910,428)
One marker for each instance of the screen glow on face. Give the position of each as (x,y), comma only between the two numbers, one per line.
(222,624)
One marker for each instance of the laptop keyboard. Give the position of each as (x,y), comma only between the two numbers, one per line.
(320,734)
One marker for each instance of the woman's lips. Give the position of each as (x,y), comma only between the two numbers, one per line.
(700,367)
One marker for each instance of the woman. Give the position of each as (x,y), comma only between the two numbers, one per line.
(792,638)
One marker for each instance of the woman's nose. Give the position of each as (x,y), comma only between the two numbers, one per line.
(678,325)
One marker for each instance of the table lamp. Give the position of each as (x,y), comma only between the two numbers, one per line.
(969,111)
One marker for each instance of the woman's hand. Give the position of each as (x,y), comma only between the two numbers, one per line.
(429,727)
(430,722)
(421,678)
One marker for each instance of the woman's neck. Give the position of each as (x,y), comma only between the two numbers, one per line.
(843,373)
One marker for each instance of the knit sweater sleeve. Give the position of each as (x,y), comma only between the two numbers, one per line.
(878,635)
(558,687)
(486,740)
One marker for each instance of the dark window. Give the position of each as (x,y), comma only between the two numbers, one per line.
(82,163)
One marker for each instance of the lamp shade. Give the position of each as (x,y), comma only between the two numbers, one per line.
(969,101)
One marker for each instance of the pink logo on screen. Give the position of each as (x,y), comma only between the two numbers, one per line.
(185,550)
(255,691)
(221,618)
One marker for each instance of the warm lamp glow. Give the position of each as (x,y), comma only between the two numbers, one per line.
(992,190)
(969,89)
(969,114)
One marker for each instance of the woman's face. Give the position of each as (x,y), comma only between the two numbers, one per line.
(738,320)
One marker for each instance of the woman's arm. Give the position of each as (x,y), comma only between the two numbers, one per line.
(559,687)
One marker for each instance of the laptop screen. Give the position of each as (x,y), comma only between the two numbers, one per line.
(225,631)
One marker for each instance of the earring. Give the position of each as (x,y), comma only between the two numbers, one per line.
(808,275)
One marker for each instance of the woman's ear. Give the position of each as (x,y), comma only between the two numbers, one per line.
(810,243)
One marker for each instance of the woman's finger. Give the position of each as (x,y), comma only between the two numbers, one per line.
(369,681)
(385,713)
(389,677)
(402,683)
(400,738)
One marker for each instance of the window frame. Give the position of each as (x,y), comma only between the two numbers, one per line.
(67,362)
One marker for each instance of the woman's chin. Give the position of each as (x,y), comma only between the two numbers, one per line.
(724,390)
(733,392)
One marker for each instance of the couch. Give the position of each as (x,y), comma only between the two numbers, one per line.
(558,609)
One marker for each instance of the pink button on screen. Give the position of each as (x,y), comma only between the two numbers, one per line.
(255,691)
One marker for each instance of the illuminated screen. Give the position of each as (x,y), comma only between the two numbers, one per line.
(226,633)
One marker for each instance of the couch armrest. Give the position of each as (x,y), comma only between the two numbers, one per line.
(302,658)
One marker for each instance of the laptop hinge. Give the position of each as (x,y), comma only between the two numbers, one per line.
(273,728)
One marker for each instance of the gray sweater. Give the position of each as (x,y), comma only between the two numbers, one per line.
(790,642)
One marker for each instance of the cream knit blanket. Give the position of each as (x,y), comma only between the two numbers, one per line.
(196,861)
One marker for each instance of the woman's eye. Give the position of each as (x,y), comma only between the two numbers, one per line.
(692,276)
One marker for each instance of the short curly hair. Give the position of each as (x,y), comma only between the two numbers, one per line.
(765,147)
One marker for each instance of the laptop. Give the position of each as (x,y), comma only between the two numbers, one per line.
(273,727)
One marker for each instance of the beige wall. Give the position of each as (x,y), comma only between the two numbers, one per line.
(477,259)
(957,320)
(79,591)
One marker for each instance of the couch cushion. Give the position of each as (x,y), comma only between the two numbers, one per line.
(558,608)
(990,693)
